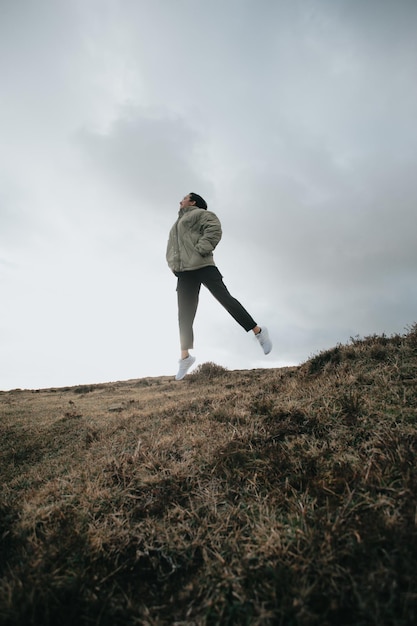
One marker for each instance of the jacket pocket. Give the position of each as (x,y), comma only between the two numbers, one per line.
(192,256)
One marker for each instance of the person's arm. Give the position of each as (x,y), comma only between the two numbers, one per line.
(211,233)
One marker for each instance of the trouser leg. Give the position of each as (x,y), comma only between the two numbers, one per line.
(188,289)
(213,280)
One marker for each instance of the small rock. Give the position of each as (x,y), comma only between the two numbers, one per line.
(114,408)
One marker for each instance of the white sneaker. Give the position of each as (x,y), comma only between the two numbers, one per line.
(264,340)
(185,365)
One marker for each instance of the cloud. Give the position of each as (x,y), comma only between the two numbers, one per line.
(153,158)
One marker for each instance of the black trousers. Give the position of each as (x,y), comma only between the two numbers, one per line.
(188,290)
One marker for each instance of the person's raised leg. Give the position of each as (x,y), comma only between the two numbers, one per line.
(213,280)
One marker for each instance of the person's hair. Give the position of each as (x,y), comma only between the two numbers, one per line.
(199,201)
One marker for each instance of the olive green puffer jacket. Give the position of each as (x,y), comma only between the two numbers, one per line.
(192,239)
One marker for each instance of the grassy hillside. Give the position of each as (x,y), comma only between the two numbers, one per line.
(284,496)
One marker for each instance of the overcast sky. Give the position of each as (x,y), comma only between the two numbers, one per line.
(297,122)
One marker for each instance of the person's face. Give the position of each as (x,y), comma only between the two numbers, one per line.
(186,201)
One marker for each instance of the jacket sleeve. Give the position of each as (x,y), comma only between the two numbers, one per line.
(211,233)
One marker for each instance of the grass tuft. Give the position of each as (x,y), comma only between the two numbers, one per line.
(207,372)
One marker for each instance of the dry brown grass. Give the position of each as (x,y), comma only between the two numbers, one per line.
(247,497)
